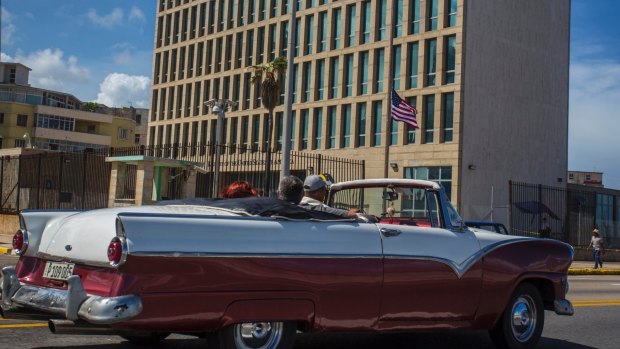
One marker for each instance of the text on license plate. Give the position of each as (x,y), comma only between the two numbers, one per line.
(58,271)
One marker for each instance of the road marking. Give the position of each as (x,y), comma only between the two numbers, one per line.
(596,303)
(23,325)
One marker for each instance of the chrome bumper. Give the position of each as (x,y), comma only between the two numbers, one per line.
(72,304)
(563,307)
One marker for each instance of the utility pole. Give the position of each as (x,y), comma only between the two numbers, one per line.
(219,107)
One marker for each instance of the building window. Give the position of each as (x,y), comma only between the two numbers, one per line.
(305,122)
(452,12)
(123,133)
(297,34)
(322,31)
(272,42)
(376,122)
(336,28)
(1,118)
(255,132)
(261,45)
(318,127)
(379,71)
(348,78)
(307,81)
(450,59)
(293,118)
(363,64)
(350,25)
(410,130)
(249,49)
(439,174)
(431,62)
(284,38)
(433,10)
(429,118)
(278,126)
(414,48)
(331,116)
(414,15)
(295,79)
(320,79)
(309,34)
(22,120)
(333,75)
(361,125)
(396,67)
(381,20)
(398,26)
(346,126)
(393,132)
(365,30)
(20,143)
(448,117)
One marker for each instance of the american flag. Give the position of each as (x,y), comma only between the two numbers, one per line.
(403,111)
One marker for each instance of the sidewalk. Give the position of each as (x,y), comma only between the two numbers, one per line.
(577,268)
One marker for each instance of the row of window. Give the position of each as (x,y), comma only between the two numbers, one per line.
(362,73)
(55,122)
(363,17)
(345,126)
(22,120)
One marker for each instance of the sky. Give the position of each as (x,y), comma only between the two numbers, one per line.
(102,50)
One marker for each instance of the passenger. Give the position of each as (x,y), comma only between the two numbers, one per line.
(314,194)
(238,189)
(291,189)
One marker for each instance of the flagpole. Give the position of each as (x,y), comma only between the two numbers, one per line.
(285,167)
(388,128)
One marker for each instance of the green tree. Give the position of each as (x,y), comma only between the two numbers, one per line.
(269,75)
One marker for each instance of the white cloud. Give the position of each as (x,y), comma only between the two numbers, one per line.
(136,14)
(594,118)
(124,53)
(51,70)
(8,28)
(122,90)
(6,58)
(108,21)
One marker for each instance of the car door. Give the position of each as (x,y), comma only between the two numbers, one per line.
(430,273)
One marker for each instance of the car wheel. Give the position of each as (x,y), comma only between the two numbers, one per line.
(146,338)
(254,335)
(522,322)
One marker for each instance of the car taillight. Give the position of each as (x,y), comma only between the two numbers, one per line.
(115,251)
(20,241)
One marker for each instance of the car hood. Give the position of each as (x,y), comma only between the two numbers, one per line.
(488,239)
(85,236)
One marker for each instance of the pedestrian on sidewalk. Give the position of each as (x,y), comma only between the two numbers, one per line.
(598,246)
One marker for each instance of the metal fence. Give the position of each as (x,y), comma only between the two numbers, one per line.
(56,180)
(568,215)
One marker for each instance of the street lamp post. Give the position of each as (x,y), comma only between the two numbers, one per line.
(220,106)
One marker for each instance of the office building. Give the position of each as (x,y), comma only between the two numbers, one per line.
(489,80)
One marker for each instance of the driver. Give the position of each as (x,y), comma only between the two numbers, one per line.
(314,194)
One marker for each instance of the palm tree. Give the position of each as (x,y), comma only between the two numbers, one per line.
(269,74)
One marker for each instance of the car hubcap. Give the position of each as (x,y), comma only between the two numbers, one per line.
(258,335)
(523,318)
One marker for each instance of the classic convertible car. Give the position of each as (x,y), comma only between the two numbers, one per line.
(250,273)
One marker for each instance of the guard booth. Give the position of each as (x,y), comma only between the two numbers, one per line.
(142,180)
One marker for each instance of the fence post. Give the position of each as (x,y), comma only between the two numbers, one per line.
(19,177)
(510,206)
(363,169)
(39,182)
(319,164)
(84,161)
(60,178)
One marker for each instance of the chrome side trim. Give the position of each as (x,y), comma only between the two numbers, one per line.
(250,255)
(563,307)
(461,268)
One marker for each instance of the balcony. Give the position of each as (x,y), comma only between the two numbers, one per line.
(77,137)
(75,114)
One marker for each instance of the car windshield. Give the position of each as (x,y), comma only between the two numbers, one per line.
(399,205)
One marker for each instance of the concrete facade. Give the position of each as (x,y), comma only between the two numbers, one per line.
(492,74)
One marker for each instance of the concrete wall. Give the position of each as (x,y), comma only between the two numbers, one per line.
(515,114)
(8,224)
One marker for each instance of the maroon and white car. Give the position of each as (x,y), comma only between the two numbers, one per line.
(250,273)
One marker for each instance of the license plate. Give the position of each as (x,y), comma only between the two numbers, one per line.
(58,271)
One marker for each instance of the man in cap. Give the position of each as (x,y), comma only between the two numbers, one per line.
(314,194)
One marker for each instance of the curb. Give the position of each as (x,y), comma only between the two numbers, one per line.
(591,271)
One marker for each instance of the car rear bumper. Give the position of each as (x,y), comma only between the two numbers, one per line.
(72,304)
